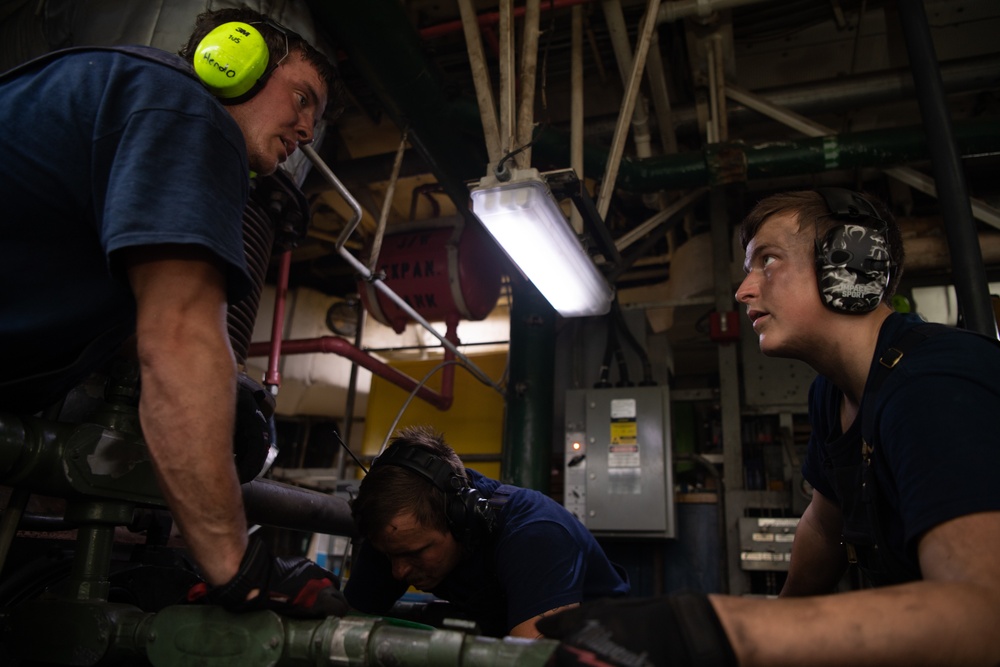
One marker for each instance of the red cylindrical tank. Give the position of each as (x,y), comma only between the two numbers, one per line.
(445,270)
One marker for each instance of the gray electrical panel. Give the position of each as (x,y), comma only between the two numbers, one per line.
(618,472)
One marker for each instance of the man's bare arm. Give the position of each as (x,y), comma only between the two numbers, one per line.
(818,559)
(188,399)
(948,618)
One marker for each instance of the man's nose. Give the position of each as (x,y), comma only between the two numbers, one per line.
(304,128)
(747,289)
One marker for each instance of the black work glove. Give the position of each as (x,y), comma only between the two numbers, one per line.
(675,630)
(290,586)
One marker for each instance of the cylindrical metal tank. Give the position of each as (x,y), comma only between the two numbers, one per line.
(444,269)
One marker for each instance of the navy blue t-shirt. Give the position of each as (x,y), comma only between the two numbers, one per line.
(103,150)
(539,557)
(937,448)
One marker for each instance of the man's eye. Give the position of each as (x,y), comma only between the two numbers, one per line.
(767,259)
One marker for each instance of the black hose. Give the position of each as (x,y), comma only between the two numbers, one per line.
(280,505)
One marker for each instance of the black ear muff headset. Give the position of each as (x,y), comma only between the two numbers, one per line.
(233,60)
(852,259)
(466,510)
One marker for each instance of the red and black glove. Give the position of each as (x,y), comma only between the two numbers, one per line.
(290,586)
(680,630)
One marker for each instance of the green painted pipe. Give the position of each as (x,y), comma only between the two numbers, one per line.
(89,632)
(719,164)
(527,440)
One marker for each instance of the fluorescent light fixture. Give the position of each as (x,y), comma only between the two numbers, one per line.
(525,219)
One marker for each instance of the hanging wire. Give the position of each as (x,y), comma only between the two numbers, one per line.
(406,404)
(501,171)
(348,450)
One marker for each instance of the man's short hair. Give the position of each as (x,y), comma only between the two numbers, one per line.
(811,210)
(388,490)
(276,44)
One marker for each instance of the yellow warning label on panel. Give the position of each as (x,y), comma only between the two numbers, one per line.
(623,432)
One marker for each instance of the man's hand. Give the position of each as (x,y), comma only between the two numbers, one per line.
(290,586)
(675,630)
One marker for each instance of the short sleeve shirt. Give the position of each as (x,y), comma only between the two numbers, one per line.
(105,150)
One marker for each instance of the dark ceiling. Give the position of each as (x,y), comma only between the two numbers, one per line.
(842,64)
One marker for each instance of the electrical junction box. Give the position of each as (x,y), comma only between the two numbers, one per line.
(618,473)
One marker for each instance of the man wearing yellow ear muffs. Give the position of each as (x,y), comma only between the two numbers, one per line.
(124,182)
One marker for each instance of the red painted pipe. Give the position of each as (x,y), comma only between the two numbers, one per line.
(489,18)
(273,376)
(336,345)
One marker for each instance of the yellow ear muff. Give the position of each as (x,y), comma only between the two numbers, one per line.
(231,59)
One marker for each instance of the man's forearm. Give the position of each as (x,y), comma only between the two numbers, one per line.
(187,417)
(817,564)
(818,556)
(921,623)
(188,398)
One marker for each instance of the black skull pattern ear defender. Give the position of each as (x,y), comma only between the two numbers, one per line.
(852,259)
(233,60)
(465,508)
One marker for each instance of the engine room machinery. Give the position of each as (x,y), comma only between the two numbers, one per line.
(97,599)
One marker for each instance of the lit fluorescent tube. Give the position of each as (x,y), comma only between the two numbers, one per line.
(525,219)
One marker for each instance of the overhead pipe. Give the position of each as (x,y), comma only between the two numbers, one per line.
(968,271)
(960,75)
(738,161)
(492,18)
(610,171)
(618,32)
(717,129)
(870,88)
(653,223)
(554,145)
(383,218)
(831,95)
(660,95)
(508,117)
(481,80)
(529,65)
(717,78)
(343,348)
(915,179)
(447,131)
